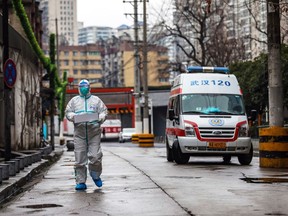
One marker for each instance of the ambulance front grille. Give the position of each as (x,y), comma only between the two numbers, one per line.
(217,132)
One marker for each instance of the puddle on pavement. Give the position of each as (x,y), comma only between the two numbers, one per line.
(184,177)
(265,180)
(39,206)
(67,164)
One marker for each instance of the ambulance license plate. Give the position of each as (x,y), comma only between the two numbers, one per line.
(217,145)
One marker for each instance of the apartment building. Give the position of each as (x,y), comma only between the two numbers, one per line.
(92,34)
(60,16)
(82,62)
(119,64)
(248,20)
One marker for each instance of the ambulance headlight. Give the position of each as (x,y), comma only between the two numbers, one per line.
(189,130)
(243,131)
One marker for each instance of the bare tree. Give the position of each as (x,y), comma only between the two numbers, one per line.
(200,33)
(224,52)
(256,9)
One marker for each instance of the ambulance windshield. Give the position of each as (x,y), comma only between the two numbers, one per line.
(216,104)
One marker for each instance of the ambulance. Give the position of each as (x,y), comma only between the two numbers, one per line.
(206,117)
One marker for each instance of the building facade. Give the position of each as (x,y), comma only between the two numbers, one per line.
(82,62)
(92,34)
(60,17)
(25,99)
(119,64)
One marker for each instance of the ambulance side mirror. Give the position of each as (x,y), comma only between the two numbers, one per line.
(171,114)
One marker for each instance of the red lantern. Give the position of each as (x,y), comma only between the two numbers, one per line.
(70,79)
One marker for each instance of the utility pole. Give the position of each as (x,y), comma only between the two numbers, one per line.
(7,90)
(273,141)
(60,125)
(57,46)
(138,122)
(145,73)
(274,65)
(52,98)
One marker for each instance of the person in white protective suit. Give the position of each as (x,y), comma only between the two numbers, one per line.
(87,135)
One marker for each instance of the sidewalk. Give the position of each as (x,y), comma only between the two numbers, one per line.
(14,184)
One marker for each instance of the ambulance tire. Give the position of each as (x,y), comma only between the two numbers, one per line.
(169,153)
(247,158)
(178,156)
(227,159)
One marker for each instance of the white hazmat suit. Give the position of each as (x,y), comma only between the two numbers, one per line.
(87,135)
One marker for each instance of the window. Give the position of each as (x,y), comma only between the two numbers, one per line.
(95,71)
(93,53)
(163,79)
(83,72)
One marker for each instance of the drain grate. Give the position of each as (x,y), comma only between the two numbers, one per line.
(265,180)
(40,206)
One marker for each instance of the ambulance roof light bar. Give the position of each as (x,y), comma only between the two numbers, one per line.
(200,69)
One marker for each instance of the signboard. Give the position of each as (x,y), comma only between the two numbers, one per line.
(10,73)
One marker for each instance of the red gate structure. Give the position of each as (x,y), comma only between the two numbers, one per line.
(118,101)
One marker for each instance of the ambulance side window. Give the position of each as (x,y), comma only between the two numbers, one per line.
(173,105)
(176,106)
(169,107)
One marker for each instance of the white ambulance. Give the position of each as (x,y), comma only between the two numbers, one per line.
(206,117)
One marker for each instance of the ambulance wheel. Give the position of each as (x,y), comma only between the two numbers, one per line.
(178,156)
(247,158)
(227,158)
(169,153)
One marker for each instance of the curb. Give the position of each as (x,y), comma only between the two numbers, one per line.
(14,185)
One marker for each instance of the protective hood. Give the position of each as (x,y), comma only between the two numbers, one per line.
(84,88)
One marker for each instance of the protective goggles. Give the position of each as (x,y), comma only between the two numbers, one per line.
(85,85)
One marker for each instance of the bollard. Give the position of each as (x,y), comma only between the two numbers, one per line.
(34,157)
(17,165)
(5,171)
(70,145)
(146,140)
(273,147)
(21,162)
(38,156)
(135,138)
(29,159)
(12,169)
(25,160)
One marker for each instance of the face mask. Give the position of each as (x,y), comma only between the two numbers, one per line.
(84,90)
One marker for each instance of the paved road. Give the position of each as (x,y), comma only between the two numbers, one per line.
(139,181)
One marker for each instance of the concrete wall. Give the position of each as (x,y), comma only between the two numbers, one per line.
(25,101)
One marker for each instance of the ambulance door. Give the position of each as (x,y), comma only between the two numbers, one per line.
(172,120)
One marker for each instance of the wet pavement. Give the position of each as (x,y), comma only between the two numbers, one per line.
(139,181)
